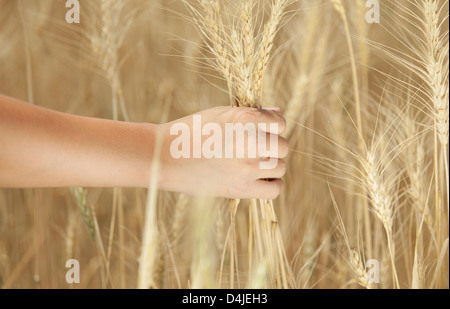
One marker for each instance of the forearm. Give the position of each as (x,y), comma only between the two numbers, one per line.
(43,148)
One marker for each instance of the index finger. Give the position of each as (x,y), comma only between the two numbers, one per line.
(272,116)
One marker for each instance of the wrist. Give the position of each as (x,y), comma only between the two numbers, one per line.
(147,138)
(161,153)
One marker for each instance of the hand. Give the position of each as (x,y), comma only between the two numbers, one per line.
(226,177)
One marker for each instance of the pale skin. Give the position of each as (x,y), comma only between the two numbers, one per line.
(42,148)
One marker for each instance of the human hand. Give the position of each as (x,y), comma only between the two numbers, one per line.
(195,159)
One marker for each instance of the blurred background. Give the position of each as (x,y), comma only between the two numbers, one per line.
(132,60)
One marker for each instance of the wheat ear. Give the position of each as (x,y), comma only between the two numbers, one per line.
(359,269)
(267,42)
(382,203)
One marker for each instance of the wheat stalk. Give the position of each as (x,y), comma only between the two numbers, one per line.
(415,160)
(436,63)
(85,209)
(180,210)
(309,65)
(106,44)
(267,42)
(70,235)
(208,19)
(296,102)
(359,269)
(244,91)
(234,51)
(403,102)
(435,60)
(382,202)
(204,264)
(430,64)
(248,36)
(339,7)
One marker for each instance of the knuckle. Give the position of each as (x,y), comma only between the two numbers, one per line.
(274,117)
(282,124)
(283,167)
(247,115)
(283,147)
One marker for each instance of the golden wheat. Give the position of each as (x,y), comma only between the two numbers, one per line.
(367,116)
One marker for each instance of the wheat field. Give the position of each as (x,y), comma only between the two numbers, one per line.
(367,114)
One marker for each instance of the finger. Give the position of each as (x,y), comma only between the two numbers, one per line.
(267,121)
(273,116)
(268,189)
(283,147)
(272,146)
(278,170)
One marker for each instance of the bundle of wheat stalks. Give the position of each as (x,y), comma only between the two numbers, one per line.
(241,55)
(365,202)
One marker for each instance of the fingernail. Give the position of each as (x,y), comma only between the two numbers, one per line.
(273,109)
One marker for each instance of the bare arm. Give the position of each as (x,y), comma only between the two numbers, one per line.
(44,148)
